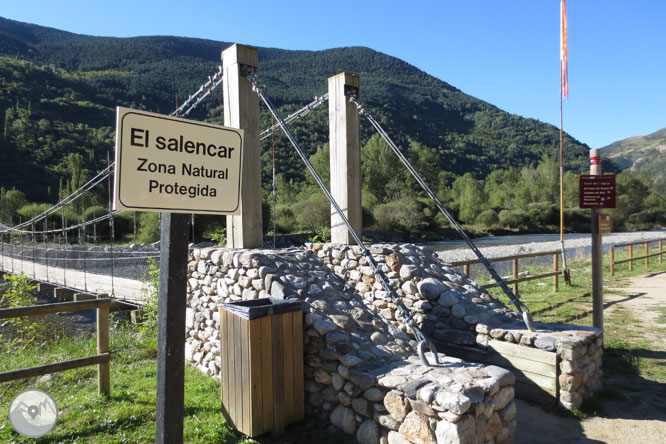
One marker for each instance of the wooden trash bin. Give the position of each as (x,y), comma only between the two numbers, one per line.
(261,346)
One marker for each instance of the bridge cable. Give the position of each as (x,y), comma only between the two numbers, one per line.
(318,100)
(403,311)
(520,306)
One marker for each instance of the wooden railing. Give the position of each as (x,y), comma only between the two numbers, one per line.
(516,272)
(631,259)
(103,357)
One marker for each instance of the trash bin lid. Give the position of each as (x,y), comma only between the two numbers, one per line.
(261,308)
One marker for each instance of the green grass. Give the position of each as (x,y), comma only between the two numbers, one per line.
(629,355)
(128,415)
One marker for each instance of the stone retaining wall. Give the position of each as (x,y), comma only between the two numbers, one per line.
(360,368)
(454,310)
(579,351)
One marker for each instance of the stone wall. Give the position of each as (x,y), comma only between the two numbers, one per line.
(454,310)
(360,367)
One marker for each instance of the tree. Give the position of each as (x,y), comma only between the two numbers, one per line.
(10,202)
(471,197)
(383,174)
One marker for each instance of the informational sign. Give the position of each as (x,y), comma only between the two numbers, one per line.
(596,191)
(175,165)
(604,223)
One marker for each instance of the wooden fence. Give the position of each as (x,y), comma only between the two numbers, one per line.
(103,357)
(630,246)
(516,272)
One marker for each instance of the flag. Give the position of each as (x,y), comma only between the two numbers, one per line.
(564,63)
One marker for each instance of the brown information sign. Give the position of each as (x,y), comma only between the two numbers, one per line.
(596,191)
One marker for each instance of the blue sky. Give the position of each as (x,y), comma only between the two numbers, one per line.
(503,52)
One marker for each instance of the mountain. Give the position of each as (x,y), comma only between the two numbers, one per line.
(642,153)
(58,91)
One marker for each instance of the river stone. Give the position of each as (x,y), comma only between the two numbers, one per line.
(374,394)
(396,405)
(337,381)
(378,337)
(455,402)
(322,376)
(458,311)
(396,438)
(350,360)
(394,261)
(462,432)
(388,422)
(504,376)
(503,397)
(363,380)
(368,432)
(416,428)
(342,321)
(362,407)
(431,288)
(344,418)
(324,326)
(448,298)
(545,343)
(335,337)
(408,271)
(508,412)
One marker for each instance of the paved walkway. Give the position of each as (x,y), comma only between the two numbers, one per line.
(121,288)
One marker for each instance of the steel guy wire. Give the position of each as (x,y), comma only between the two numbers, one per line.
(520,306)
(403,311)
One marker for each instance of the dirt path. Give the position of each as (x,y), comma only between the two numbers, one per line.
(634,408)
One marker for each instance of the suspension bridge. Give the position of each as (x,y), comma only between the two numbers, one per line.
(69,257)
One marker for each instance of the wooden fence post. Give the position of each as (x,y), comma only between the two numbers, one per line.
(515,276)
(631,256)
(466,269)
(104,368)
(556,264)
(661,252)
(647,254)
(612,260)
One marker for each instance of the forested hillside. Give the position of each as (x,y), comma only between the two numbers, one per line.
(155,72)
(58,92)
(642,154)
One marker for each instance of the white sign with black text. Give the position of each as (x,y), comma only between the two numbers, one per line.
(176,165)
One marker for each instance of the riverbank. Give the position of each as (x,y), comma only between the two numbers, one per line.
(576,245)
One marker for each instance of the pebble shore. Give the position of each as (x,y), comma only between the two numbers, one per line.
(462,254)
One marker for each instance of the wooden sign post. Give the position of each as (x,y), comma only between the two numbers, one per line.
(177,167)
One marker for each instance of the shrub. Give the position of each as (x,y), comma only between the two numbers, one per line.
(19,291)
(513,218)
(149,228)
(542,214)
(285,220)
(489,218)
(400,215)
(151,293)
(314,213)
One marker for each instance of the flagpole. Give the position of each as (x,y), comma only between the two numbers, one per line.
(563,63)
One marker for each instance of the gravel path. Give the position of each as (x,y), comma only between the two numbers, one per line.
(576,246)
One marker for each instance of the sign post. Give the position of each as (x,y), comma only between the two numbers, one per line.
(597,191)
(176,167)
